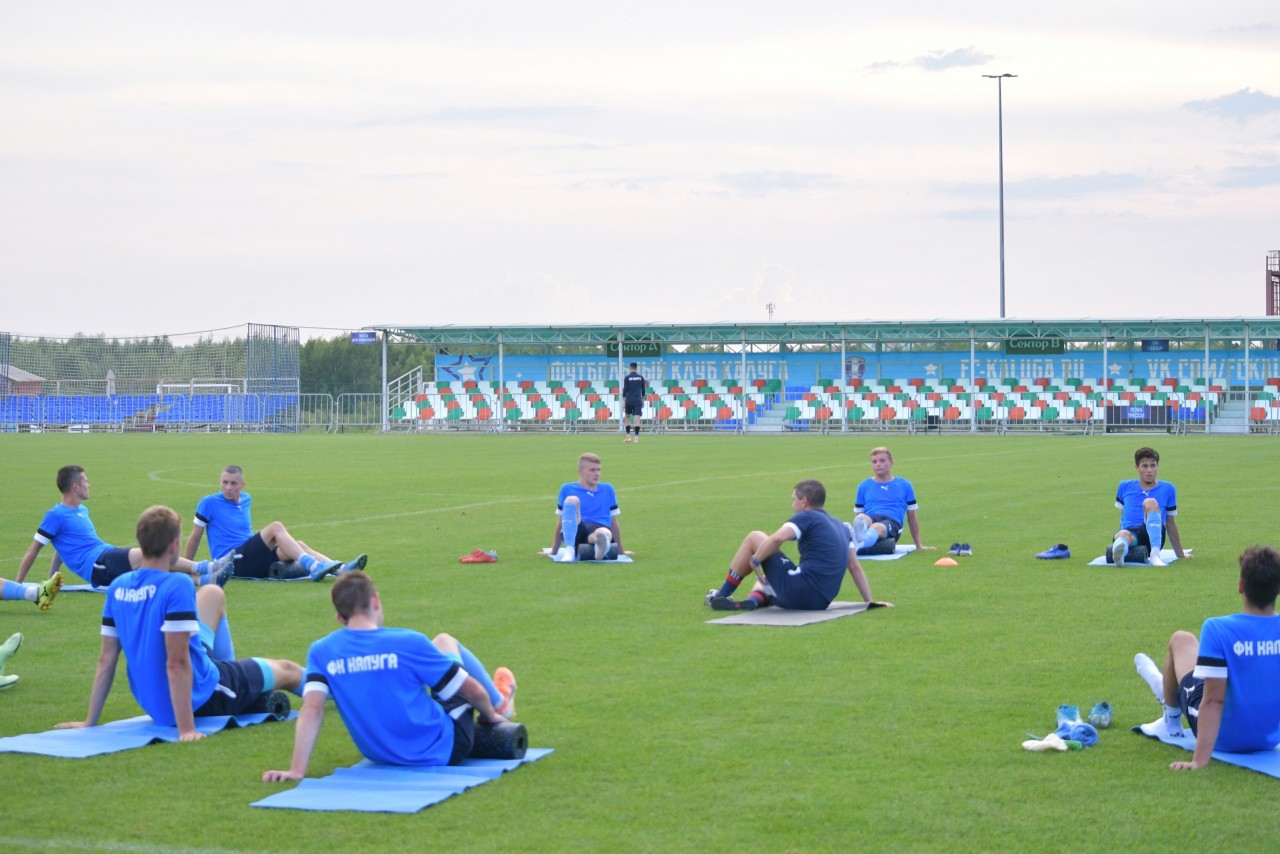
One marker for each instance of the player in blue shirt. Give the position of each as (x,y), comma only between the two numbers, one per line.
(379,679)
(1147,507)
(633,388)
(166,630)
(883,504)
(826,552)
(1227,683)
(68,528)
(227,517)
(587,512)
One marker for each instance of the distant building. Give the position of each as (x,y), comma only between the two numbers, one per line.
(17,381)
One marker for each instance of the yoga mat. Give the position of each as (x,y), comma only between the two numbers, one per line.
(1167,555)
(368,787)
(81,588)
(899,551)
(1264,762)
(783,617)
(119,735)
(255,578)
(622,558)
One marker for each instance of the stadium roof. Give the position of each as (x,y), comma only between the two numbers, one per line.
(1082,329)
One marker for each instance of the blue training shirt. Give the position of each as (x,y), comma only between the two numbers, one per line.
(378,680)
(70,531)
(1244,649)
(141,608)
(892,498)
(598,508)
(1130,495)
(227,523)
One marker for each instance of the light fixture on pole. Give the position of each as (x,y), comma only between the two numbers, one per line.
(999,78)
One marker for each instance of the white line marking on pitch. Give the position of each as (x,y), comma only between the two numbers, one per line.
(131,848)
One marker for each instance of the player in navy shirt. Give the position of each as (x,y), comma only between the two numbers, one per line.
(883,504)
(1147,509)
(633,389)
(1228,682)
(587,511)
(379,679)
(69,530)
(227,516)
(166,629)
(826,552)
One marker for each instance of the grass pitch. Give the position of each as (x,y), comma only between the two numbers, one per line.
(892,730)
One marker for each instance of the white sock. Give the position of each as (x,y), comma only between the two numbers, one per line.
(1173,720)
(603,539)
(1150,674)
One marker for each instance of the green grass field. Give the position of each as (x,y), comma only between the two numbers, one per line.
(892,730)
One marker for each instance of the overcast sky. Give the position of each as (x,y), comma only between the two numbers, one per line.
(175,166)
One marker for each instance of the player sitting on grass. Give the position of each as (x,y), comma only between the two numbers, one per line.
(226,515)
(588,512)
(1227,683)
(883,504)
(1147,507)
(825,553)
(69,530)
(177,642)
(42,594)
(379,679)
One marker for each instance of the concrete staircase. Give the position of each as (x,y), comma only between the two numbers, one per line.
(1231,417)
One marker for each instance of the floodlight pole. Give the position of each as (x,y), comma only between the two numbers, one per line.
(999,78)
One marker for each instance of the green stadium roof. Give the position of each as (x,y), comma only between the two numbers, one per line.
(1084,329)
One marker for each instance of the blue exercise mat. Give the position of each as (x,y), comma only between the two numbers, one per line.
(621,558)
(1264,762)
(81,588)
(899,552)
(369,787)
(119,735)
(1166,555)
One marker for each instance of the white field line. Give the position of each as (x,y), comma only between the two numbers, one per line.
(8,843)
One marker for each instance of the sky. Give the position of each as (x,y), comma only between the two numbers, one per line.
(168,167)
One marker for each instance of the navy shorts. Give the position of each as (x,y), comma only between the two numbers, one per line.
(892,527)
(255,558)
(464,726)
(788,590)
(636,409)
(240,685)
(585,530)
(1190,692)
(1140,537)
(109,566)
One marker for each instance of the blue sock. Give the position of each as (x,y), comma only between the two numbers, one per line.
(308,562)
(569,525)
(223,648)
(870,539)
(1155,531)
(477,671)
(730,586)
(14,591)
(202,570)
